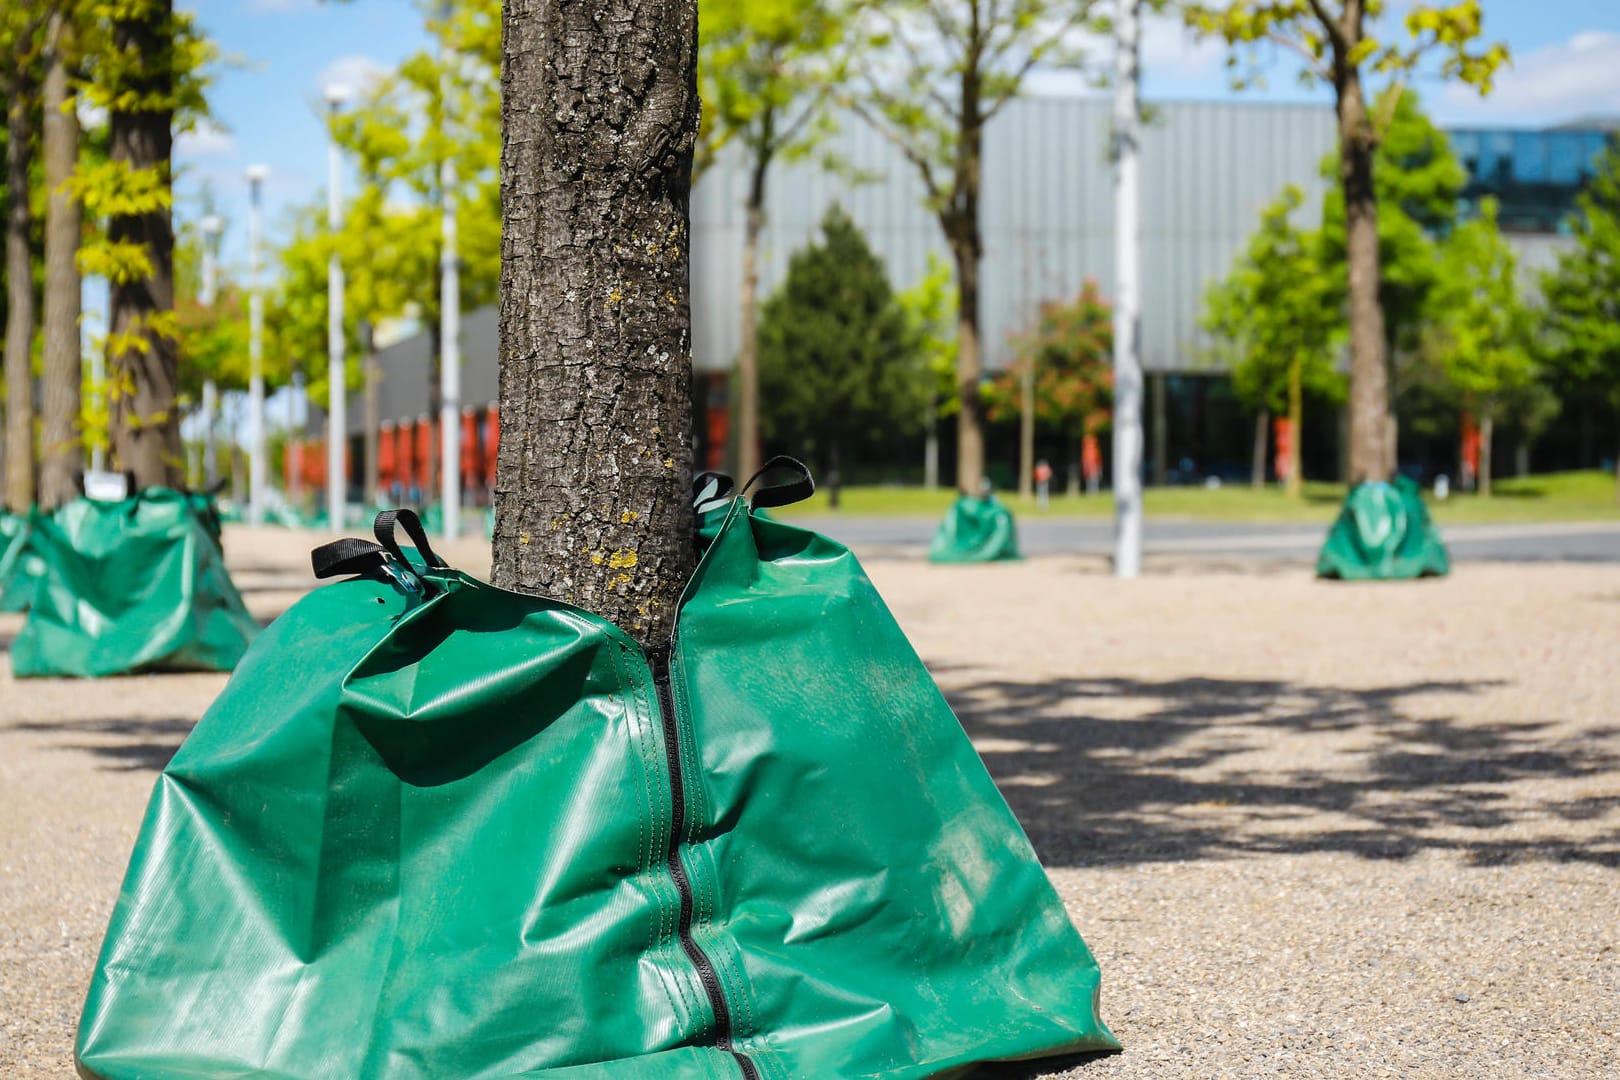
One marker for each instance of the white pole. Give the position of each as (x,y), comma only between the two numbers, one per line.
(256,175)
(449,326)
(212,226)
(1127,299)
(337,424)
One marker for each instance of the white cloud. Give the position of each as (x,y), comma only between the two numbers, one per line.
(206,140)
(1171,51)
(1574,79)
(356,72)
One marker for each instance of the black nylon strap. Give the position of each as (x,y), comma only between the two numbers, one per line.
(346,556)
(709,488)
(407,520)
(795,484)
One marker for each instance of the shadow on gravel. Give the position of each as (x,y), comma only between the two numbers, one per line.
(1209,768)
(124,745)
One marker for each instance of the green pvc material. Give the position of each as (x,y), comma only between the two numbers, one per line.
(134,585)
(20,564)
(432,829)
(975,529)
(1383,534)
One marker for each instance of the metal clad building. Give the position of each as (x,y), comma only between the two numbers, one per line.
(1047,216)
(1047,213)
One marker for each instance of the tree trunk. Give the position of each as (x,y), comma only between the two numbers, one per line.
(1487,432)
(61,448)
(1521,457)
(371,410)
(599,112)
(1296,430)
(1026,431)
(931,442)
(1369,377)
(835,479)
(1161,430)
(748,350)
(19,302)
(430,467)
(969,364)
(1257,456)
(141,355)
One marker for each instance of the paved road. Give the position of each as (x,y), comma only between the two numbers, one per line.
(1575,542)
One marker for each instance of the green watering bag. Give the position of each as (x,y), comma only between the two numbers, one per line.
(1383,533)
(134,585)
(20,564)
(975,529)
(434,830)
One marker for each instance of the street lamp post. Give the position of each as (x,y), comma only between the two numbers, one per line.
(256,176)
(1127,297)
(212,227)
(337,426)
(449,328)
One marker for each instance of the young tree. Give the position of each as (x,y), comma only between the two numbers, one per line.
(930,307)
(934,74)
(1583,292)
(599,113)
(61,376)
(765,69)
(1069,353)
(837,366)
(1274,321)
(20,27)
(1338,43)
(1481,326)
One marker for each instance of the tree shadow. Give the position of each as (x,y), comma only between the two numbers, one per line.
(1209,768)
(129,745)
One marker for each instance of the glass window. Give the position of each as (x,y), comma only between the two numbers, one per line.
(1564,162)
(1495,158)
(1529,157)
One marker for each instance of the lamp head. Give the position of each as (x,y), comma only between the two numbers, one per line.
(257,174)
(337,93)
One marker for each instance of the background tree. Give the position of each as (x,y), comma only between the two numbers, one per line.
(930,308)
(932,75)
(1338,43)
(1583,292)
(21,26)
(440,108)
(1275,320)
(765,69)
(593,481)
(838,368)
(1481,327)
(61,376)
(1071,351)
(149,78)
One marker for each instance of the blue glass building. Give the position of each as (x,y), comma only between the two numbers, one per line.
(1535,176)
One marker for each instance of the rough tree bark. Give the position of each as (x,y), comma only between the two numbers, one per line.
(1370,456)
(61,449)
(141,357)
(599,118)
(19,298)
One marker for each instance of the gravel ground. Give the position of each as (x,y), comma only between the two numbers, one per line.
(1310,830)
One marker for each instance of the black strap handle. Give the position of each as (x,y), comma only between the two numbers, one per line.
(347,556)
(709,488)
(794,483)
(407,520)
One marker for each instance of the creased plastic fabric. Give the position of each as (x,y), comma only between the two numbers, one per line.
(1383,533)
(134,585)
(20,564)
(975,529)
(426,835)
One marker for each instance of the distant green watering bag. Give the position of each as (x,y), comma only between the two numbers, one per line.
(134,585)
(976,529)
(20,564)
(1383,533)
(435,830)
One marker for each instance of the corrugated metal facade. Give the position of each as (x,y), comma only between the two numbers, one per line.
(1208,169)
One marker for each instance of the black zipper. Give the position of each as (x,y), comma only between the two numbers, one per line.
(658,658)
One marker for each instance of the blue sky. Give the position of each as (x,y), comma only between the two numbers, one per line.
(280,53)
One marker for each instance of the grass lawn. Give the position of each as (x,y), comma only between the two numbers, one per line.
(1576,496)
